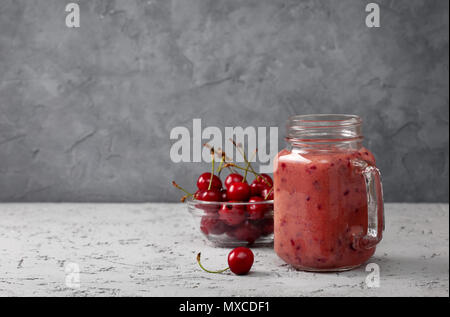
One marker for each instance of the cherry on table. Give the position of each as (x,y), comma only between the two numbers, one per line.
(240,260)
(238,191)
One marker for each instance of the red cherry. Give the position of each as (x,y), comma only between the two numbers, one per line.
(232,214)
(204,179)
(239,191)
(208,195)
(267,192)
(197,194)
(247,231)
(256,211)
(211,196)
(233,178)
(223,192)
(212,225)
(261,177)
(240,260)
(266,226)
(256,188)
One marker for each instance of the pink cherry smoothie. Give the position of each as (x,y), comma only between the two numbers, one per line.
(320,203)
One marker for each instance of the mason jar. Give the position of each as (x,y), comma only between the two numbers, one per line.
(328,204)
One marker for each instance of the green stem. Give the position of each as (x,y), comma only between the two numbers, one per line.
(268,194)
(246,172)
(249,165)
(244,169)
(265,181)
(212,169)
(182,189)
(219,169)
(246,160)
(201,266)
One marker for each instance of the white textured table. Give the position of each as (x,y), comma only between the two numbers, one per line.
(149,250)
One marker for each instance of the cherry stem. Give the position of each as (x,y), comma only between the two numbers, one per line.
(201,266)
(239,167)
(212,169)
(219,169)
(182,189)
(239,150)
(247,161)
(244,169)
(268,194)
(227,165)
(222,153)
(254,154)
(218,152)
(266,181)
(246,172)
(249,165)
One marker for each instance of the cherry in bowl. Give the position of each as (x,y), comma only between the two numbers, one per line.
(233,224)
(204,181)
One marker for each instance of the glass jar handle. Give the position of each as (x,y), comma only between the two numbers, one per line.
(375,209)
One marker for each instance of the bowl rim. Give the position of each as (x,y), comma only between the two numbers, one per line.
(193,202)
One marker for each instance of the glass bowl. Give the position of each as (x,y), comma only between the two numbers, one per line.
(231,224)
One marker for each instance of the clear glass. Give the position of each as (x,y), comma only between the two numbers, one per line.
(246,231)
(328,206)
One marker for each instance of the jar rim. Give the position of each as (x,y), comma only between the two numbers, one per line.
(324,120)
(324,128)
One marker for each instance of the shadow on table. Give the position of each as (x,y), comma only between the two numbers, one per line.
(259,274)
(435,266)
(404,265)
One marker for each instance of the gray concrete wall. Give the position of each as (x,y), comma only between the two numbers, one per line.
(85,114)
